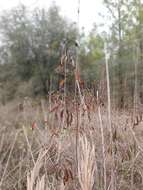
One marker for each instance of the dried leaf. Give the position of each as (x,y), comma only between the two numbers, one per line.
(34,125)
(62,114)
(61,84)
(66,176)
(114,135)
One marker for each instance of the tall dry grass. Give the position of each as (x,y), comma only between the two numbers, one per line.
(38,154)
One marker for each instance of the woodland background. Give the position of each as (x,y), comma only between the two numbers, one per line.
(31,48)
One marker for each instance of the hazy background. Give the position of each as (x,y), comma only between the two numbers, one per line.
(89,9)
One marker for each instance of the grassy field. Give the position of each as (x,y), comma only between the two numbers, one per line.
(64,144)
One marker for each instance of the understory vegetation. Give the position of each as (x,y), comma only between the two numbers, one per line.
(63,146)
(53,145)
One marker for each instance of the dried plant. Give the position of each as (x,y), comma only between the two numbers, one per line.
(86,163)
(45,157)
(34,181)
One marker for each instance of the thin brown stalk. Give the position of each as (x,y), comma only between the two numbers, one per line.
(109,119)
(11,150)
(29,146)
(103,145)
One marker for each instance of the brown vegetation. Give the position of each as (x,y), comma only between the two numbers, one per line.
(39,149)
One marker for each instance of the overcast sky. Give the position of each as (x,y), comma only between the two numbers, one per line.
(89,9)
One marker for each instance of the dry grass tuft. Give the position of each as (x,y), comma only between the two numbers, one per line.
(86,163)
(34,181)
